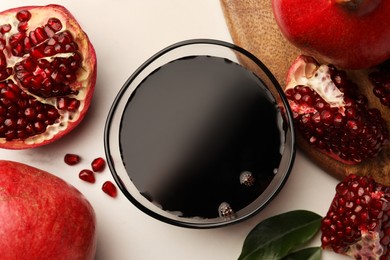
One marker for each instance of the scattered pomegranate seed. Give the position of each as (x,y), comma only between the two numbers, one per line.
(23,16)
(87,175)
(110,189)
(98,164)
(71,159)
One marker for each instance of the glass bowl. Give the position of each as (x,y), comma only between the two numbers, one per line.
(200,135)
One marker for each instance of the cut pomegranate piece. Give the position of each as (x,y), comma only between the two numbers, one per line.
(358,221)
(47,75)
(71,159)
(331,115)
(98,164)
(380,78)
(110,189)
(87,175)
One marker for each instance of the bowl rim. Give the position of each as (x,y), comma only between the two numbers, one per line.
(124,88)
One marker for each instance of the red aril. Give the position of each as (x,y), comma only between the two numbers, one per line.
(98,164)
(87,175)
(358,221)
(47,75)
(351,34)
(71,159)
(330,113)
(43,217)
(110,189)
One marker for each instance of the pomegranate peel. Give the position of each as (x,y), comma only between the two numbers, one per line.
(47,75)
(43,217)
(351,34)
(331,115)
(358,221)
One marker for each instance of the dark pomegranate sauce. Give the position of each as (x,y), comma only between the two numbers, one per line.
(201,137)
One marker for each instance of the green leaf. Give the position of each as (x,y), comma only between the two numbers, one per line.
(277,236)
(311,253)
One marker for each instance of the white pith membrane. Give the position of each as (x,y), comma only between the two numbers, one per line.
(318,79)
(39,17)
(368,246)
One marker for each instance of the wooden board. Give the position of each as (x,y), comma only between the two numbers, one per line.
(252,26)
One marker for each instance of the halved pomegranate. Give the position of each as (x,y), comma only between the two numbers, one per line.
(331,114)
(358,221)
(47,75)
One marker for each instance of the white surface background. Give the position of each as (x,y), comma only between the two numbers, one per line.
(125,33)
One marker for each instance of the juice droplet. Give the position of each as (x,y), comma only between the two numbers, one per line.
(246,178)
(225,210)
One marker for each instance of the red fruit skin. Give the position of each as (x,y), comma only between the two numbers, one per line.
(336,34)
(89,61)
(42,216)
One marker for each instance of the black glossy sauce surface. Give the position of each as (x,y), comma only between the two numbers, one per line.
(192,127)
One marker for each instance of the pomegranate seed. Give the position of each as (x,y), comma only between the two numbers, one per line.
(65,37)
(98,164)
(22,27)
(73,105)
(71,159)
(87,175)
(23,16)
(36,53)
(40,34)
(29,65)
(2,44)
(110,189)
(380,79)
(54,24)
(5,28)
(49,31)
(70,104)
(39,127)
(3,61)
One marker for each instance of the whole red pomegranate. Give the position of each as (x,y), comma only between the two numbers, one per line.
(43,217)
(331,114)
(351,34)
(358,221)
(47,75)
